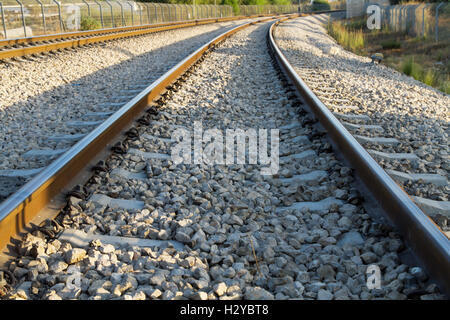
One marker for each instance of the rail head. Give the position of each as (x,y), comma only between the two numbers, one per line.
(427,241)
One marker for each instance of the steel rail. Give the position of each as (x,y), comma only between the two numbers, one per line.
(73,43)
(45,190)
(425,238)
(69,35)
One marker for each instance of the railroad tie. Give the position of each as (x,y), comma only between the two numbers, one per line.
(67,137)
(81,124)
(98,114)
(433,207)
(126,204)
(149,155)
(43,153)
(352,117)
(20,173)
(368,127)
(316,175)
(312,206)
(304,155)
(393,156)
(79,239)
(124,174)
(377,140)
(435,179)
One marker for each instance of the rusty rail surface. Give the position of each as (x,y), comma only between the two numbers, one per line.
(425,238)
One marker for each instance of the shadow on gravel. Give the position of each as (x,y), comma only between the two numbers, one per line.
(382,98)
(47,115)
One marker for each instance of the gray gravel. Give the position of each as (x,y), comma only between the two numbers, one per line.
(38,98)
(245,236)
(405,109)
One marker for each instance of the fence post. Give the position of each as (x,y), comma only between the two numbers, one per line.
(181,11)
(43,15)
(121,11)
(112,14)
(162,12)
(423,19)
(23,18)
(437,20)
(3,20)
(61,26)
(156,12)
(101,12)
(89,8)
(140,12)
(132,15)
(148,13)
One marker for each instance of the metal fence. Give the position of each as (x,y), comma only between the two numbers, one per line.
(418,20)
(357,8)
(424,20)
(25,18)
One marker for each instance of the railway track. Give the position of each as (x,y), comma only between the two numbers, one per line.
(85,87)
(143,227)
(355,129)
(14,48)
(416,159)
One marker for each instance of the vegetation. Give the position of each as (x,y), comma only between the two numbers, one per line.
(415,70)
(421,58)
(321,5)
(234,3)
(391,44)
(347,37)
(89,23)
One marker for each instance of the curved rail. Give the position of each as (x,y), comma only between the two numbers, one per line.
(427,241)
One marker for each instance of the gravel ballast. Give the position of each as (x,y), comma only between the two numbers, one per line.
(39,99)
(365,94)
(221,231)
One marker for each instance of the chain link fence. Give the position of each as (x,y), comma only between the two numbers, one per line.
(418,20)
(26,18)
(424,20)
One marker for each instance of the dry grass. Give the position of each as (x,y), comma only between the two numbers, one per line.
(420,57)
(347,37)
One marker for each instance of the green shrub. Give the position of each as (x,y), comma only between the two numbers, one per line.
(429,77)
(89,23)
(356,24)
(320,5)
(353,40)
(407,66)
(417,71)
(445,87)
(391,44)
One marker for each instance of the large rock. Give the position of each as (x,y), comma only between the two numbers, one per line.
(74,255)
(351,238)
(257,293)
